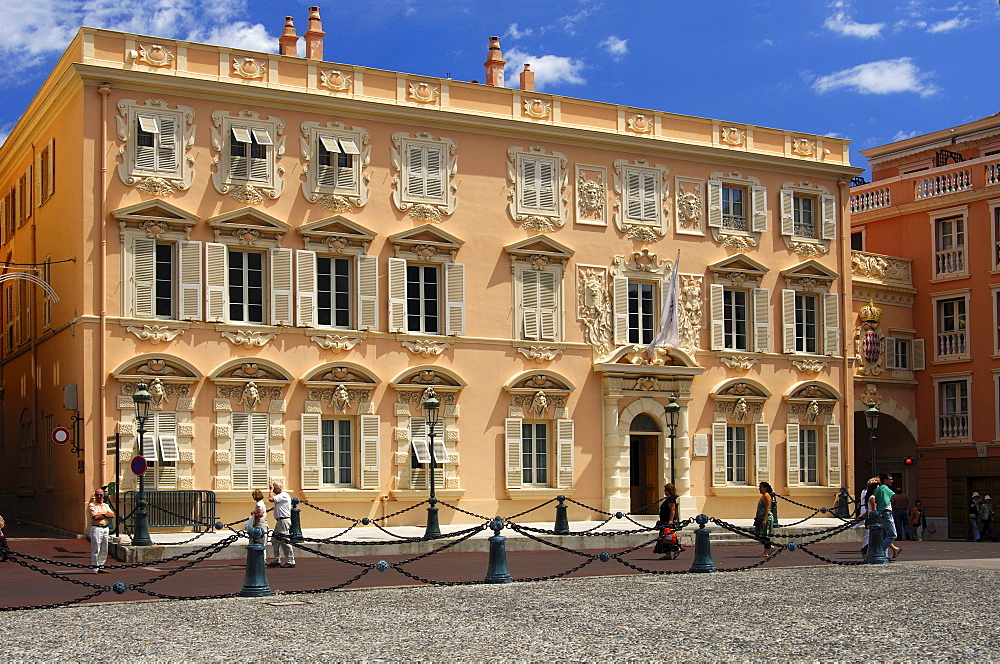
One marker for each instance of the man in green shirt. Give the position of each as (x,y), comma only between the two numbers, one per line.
(883,498)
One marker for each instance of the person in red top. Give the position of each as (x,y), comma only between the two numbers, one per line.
(99,512)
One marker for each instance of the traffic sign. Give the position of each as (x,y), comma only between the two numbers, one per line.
(60,435)
(139,465)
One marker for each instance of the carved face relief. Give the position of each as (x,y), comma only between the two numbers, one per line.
(689,206)
(591,196)
(251,396)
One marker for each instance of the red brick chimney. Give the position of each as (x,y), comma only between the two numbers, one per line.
(288,38)
(494,63)
(528,79)
(314,36)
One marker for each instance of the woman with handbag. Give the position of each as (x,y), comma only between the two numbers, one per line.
(258,517)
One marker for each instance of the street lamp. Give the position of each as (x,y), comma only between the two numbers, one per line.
(432,410)
(142,398)
(672,409)
(871,415)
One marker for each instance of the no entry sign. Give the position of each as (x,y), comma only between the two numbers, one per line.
(60,435)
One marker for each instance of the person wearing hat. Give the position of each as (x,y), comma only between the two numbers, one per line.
(986,520)
(99,512)
(974,509)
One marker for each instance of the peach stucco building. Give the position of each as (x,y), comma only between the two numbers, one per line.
(934,202)
(292,251)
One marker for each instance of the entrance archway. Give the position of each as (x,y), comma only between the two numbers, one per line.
(893,443)
(644,473)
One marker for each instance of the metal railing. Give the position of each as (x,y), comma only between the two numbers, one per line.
(174,509)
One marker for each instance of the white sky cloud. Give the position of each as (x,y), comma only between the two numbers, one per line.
(569,21)
(844,25)
(903,135)
(956,23)
(549,69)
(881,78)
(615,47)
(516,33)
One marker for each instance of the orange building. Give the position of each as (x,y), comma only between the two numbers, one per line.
(290,252)
(934,201)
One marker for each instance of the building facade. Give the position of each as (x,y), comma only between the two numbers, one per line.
(934,202)
(290,252)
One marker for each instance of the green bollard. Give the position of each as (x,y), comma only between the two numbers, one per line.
(562,520)
(255,578)
(876,544)
(295,535)
(842,510)
(702,547)
(497,572)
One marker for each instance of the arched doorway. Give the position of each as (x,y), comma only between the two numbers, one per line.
(644,476)
(893,443)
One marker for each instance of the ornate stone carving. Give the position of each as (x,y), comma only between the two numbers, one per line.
(401,458)
(248,338)
(241,191)
(809,365)
(366,407)
(327,394)
(594,309)
(334,203)
(425,347)
(163,183)
(739,410)
(690,203)
(185,430)
(641,228)
(276,457)
(880,268)
(527,215)
(340,400)
(184,404)
(803,147)
(335,342)
(812,412)
(277,406)
(250,397)
(126,428)
(538,109)
(451,482)
(186,482)
(423,93)
(155,333)
(186,456)
(249,68)
(223,483)
(738,243)
(157,394)
(809,249)
(537,402)
(639,123)
(153,55)
(222,457)
(221,404)
(732,136)
(334,79)
(422,209)
(156,367)
(738,362)
(689,319)
(539,353)
(869,343)
(591,198)
(155,186)
(227,392)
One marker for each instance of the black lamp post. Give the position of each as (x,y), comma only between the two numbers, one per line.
(432,410)
(672,409)
(142,398)
(871,415)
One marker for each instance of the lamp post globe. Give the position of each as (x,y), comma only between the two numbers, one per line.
(140,531)
(432,411)
(672,410)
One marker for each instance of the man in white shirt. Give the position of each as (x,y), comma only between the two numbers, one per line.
(282,527)
(99,513)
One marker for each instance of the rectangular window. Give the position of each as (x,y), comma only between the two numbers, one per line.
(901,354)
(806,338)
(641,193)
(539,304)
(808,455)
(45,173)
(734,312)
(953,408)
(857,241)
(951,334)
(996,236)
(733,208)
(333,291)
(155,143)
(736,455)
(950,250)
(641,312)
(423,299)
(534,453)
(163,280)
(425,173)
(337,453)
(248,154)
(246,287)
(538,184)
(250,450)
(804,218)
(336,159)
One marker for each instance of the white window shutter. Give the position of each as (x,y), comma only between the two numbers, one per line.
(788,320)
(792,453)
(415,171)
(166,143)
(828,206)
(714,204)
(621,310)
(240,467)
(528,281)
(397,295)
(281,286)
(418,439)
(548,174)
(434,187)
(528,183)
(166,476)
(718,454)
(216,282)
(565,443)
(168,448)
(370,478)
(548,311)
(305,288)
(758,200)
(831,321)
(149,447)
(260,167)
(716,310)
(917,360)
(512,438)
(455,298)
(833,477)
(312,450)
(633,195)
(190,277)
(762,454)
(890,352)
(650,197)
(368,292)
(143,276)
(787,212)
(259,430)
(762,319)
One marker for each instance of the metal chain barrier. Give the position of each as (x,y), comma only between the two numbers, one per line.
(98,589)
(472,514)
(339,516)
(536,507)
(180,556)
(816,510)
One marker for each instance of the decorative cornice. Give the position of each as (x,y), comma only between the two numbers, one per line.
(155,333)
(248,338)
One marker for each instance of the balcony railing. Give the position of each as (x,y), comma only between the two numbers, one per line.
(950,262)
(943,184)
(993,174)
(926,184)
(871,200)
(954,426)
(951,344)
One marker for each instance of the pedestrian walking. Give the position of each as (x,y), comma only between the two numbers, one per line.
(867,504)
(282,527)
(974,508)
(986,520)
(901,513)
(883,500)
(763,521)
(99,513)
(918,521)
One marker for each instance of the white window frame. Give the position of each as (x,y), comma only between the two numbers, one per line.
(421,204)
(537,214)
(350,183)
(139,265)
(160,450)
(994,206)
(825,218)
(754,205)
(248,128)
(643,190)
(365,453)
(173,132)
(951,263)
(560,466)
(829,452)
(961,426)
(538,302)
(530,471)
(828,318)
(45,174)
(256,460)
(451,287)
(953,345)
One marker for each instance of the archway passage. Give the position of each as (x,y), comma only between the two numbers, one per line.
(893,443)
(644,476)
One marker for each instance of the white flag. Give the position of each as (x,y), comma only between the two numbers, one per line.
(669,334)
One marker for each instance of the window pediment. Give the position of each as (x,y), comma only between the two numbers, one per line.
(336,234)
(809,275)
(738,270)
(166,368)
(426,242)
(539,249)
(809,391)
(156,218)
(344,373)
(248,226)
(530,382)
(641,263)
(733,390)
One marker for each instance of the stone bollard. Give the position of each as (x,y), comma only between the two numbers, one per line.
(255,578)
(702,547)
(876,543)
(295,535)
(497,572)
(562,520)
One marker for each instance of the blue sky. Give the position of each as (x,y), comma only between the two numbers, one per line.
(872,72)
